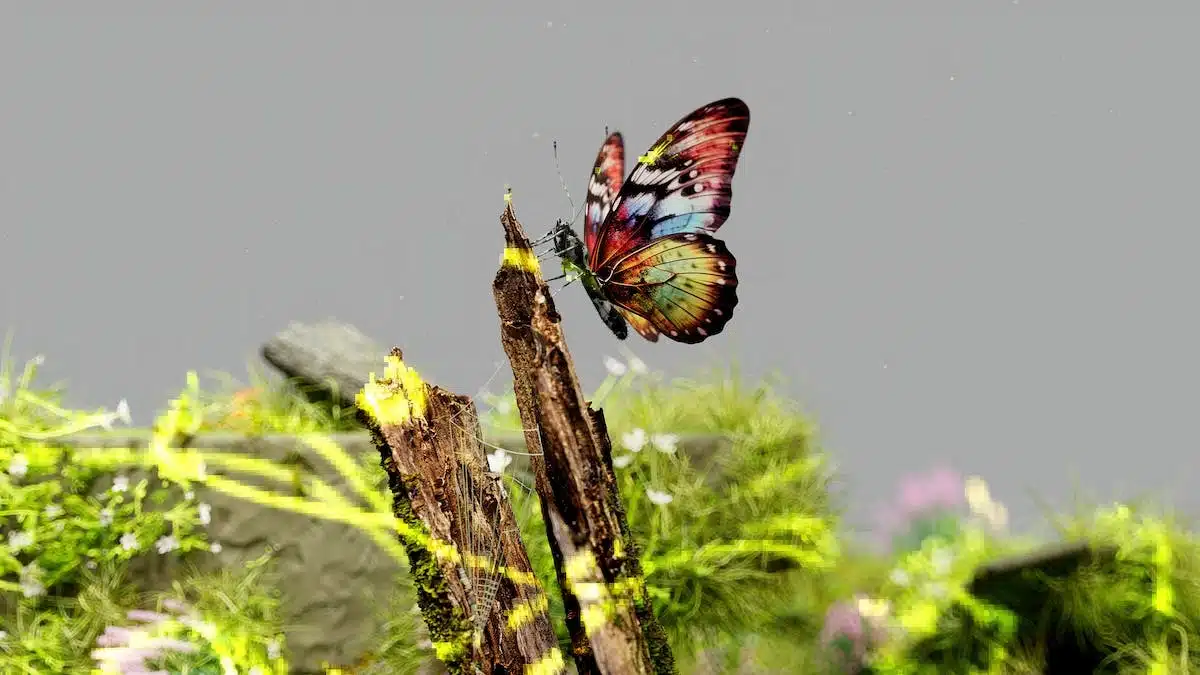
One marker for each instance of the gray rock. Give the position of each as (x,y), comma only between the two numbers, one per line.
(332,578)
(328,358)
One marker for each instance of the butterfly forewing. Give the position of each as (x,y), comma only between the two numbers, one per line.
(683,184)
(603,185)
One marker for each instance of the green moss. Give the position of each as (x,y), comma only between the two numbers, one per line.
(450,630)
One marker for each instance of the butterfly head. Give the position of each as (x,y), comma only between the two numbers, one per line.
(568,245)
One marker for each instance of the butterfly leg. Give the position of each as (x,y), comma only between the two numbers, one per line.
(544,239)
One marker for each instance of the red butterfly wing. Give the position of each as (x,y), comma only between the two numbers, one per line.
(603,187)
(683,184)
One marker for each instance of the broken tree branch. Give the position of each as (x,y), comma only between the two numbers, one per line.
(485,610)
(612,625)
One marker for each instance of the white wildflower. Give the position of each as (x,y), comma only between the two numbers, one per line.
(634,440)
(659,497)
(874,609)
(123,412)
(189,495)
(106,517)
(215,547)
(31,585)
(273,649)
(637,366)
(205,513)
(18,466)
(503,406)
(120,483)
(614,367)
(91,564)
(31,588)
(665,442)
(981,503)
(166,544)
(999,516)
(899,577)
(941,559)
(499,460)
(936,589)
(53,511)
(622,461)
(129,541)
(18,540)
(3,634)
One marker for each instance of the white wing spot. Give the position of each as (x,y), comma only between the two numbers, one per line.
(720,282)
(708,319)
(718,312)
(711,248)
(721,265)
(693,173)
(674,333)
(702,332)
(689,237)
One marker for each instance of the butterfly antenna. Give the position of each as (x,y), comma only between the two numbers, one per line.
(563,183)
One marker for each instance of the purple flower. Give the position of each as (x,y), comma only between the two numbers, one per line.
(146,616)
(939,489)
(131,648)
(847,636)
(926,504)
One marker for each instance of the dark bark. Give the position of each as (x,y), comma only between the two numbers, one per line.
(595,556)
(437,471)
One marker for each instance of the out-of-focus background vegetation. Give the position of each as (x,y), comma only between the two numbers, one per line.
(744,553)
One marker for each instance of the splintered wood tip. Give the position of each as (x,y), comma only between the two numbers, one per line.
(514,234)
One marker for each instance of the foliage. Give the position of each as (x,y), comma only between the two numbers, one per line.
(210,623)
(67,541)
(740,545)
(717,541)
(1142,609)
(269,405)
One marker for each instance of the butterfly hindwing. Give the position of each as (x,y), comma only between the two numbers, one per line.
(603,186)
(683,285)
(683,184)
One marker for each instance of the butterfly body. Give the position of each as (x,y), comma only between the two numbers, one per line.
(648,257)
(574,261)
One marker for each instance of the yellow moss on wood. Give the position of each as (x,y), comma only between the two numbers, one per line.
(400,397)
(521,258)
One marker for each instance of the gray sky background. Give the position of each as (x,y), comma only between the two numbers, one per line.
(965,230)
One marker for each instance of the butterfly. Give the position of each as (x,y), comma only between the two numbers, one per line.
(648,257)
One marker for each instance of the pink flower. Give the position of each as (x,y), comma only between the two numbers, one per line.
(921,498)
(941,488)
(847,636)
